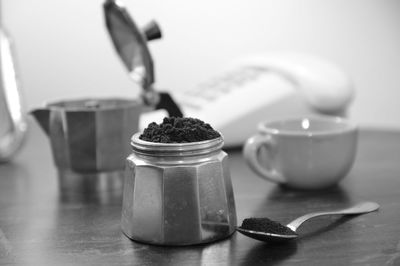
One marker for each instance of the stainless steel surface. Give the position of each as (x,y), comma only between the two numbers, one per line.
(12,118)
(360,208)
(178,194)
(90,136)
(130,43)
(267,237)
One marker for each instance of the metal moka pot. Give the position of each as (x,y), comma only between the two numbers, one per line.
(178,193)
(89,136)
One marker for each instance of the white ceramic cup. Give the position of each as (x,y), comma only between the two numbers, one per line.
(305,152)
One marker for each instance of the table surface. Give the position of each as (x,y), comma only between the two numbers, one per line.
(42,225)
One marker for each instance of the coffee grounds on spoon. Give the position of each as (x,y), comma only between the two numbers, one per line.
(267,226)
(179,130)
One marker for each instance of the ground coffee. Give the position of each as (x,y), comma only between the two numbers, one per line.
(179,130)
(267,226)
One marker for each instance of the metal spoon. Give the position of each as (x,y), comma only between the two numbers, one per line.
(360,208)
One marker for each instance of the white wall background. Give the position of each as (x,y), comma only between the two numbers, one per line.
(64,51)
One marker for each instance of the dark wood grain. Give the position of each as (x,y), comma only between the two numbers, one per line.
(43,225)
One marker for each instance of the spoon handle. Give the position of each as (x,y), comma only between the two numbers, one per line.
(359,208)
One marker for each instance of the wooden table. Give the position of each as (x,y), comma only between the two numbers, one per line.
(41,225)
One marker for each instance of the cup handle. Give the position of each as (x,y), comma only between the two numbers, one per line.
(251,154)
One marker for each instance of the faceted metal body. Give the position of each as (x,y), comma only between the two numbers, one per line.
(178,194)
(90,135)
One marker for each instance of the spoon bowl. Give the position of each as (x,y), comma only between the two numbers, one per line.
(264,236)
(360,208)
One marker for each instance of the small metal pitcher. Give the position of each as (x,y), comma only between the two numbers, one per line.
(89,136)
(178,193)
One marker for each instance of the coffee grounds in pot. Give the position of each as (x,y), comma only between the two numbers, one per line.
(179,130)
(267,226)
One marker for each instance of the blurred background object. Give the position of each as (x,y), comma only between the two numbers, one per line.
(64,50)
(12,117)
(262,87)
